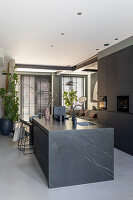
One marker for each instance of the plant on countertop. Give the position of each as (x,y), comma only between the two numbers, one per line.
(10,98)
(70,98)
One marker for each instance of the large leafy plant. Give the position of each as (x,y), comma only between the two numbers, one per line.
(70,98)
(10,97)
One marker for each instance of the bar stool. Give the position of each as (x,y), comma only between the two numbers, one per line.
(24,142)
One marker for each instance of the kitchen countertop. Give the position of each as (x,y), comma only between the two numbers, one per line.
(66,125)
(71,155)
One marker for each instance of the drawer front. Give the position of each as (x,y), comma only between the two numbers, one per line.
(41,148)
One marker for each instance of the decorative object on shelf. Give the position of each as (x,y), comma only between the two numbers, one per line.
(102,103)
(39,115)
(10,102)
(47,113)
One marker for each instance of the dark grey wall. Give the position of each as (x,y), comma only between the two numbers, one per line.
(115,78)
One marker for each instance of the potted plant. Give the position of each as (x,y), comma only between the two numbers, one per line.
(10,102)
(70,98)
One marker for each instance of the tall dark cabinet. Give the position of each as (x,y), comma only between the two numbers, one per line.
(115,80)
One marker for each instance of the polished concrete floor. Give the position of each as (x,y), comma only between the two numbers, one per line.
(22,179)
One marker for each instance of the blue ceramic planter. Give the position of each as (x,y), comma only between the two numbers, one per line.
(6,126)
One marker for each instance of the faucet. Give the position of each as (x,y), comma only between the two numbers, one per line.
(74,119)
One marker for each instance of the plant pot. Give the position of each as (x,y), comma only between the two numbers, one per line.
(6,126)
(0,123)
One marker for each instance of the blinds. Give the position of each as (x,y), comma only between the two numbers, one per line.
(34,96)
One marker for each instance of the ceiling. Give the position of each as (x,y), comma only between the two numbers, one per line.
(28,28)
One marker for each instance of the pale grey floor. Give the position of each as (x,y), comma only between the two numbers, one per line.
(22,179)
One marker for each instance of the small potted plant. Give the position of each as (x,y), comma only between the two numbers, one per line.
(10,102)
(70,98)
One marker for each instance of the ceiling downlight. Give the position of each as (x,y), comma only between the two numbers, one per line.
(106,44)
(79,13)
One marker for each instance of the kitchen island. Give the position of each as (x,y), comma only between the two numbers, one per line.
(71,155)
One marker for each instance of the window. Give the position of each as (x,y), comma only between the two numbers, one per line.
(78,85)
(35,95)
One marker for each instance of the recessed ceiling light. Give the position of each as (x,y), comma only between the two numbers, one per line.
(97,49)
(62,33)
(116,39)
(52,45)
(79,13)
(106,44)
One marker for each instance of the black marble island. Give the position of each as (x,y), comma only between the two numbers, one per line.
(72,155)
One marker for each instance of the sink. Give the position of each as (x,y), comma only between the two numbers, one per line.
(85,124)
